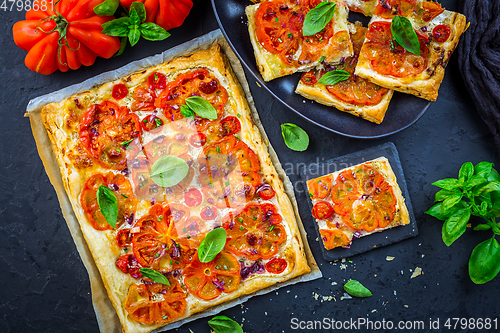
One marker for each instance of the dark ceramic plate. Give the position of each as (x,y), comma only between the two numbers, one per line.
(404,110)
(378,239)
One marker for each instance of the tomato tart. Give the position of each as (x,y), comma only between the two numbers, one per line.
(153,163)
(276,34)
(389,65)
(355,95)
(357,201)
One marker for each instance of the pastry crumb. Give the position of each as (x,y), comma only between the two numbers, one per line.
(418,271)
(389,258)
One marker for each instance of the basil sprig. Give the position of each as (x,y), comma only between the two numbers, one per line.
(201,107)
(404,34)
(132,26)
(356,289)
(154,275)
(169,170)
(333,77)
(211,246)
(107,8)
(223,324)
(108,204)
(187,112)
(318,17)
(295,137)
(476,192)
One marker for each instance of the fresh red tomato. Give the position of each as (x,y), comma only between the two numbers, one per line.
(128,264)
(266,191)
(322,210)
(230,125)
(198,140)
(276,265)
(441,33)
(119,91)
(64,36)
(152,123)
(208,213)
(168,14)
(157,80)
(309,78)
(124,238)
(193,198)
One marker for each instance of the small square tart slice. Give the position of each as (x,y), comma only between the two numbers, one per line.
(280,49)
(389,65)
(356,202)
(356,96)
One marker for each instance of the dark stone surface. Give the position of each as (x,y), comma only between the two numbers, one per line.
(45,288)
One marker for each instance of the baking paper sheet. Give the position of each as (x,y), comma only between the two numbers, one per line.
(106,316)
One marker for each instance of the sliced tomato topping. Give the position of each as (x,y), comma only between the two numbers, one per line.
(128,264)
(334,238)
(155,303)
(198,140)
(144,97)
(322,210)
(208,213)
(230,125)
(391,8)
(119,91)
(432,9)
(208,280)
(441,33)
(126,201)
(276,265)
(319,188)
(157,80)
(193,197)
(152,123)
(388,58)
(124,238)
(256,232)
(103,130)
(364,199)
(309,78)
(266,191)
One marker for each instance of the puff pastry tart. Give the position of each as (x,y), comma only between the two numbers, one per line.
(389,65)
(113,137)
(357,201)
(355,95)
(275,28)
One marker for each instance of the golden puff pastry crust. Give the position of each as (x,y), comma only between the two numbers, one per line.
(62,121)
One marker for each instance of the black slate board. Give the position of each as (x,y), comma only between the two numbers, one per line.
(378,239)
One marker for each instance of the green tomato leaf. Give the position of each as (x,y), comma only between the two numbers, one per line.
(187,112)
(295,137)
(134,18)
(448,183)
(134,35)
(482,226)
(455,226)
(466,171)
(333,77)
(107,8)
(212,244)
(484,262)
(108,204)
(483,169)
(153,32)
(201,107)
(355,288)
(169,171)
(154,275)
(405,35)
(451,201)
(117,28)
(444,194)
(138,7)
(318,17)
(223,324)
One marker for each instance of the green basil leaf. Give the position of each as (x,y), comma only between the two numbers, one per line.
(138,7)
(123,45)
(117,28)
(405,35)
(153,32)
(437,211)
(201,107)
(187,112)
(484,262)
(483,169)
(466,171)
(448,183)
(212,244)
(223,324)
(355,288)
(495,203)
(154,275)
(482,226)
(295,137)
(451,201)
(169,170)
(134,18)
(443,194)
(494,175)
(134,35)
(107,8)
(318,17)
(455,226)
(488,187)
(475,181)
(333,77)
(108,204)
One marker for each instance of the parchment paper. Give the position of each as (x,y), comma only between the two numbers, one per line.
(106,316)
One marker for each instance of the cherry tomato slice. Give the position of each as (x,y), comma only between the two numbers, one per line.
(309,78)
(322,210)
(151,123)
(124,238)
(441,33)
(334,238)
(276,265)
(144,97)
(128,264)
(119,91)
(230,125)
(157,80)
(198,140)
(266,191)
(208,213)
(432,9)
(319,188)
(193,198)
